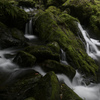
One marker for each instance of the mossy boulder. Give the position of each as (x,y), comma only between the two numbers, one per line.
(26,3)
(51,65)
(12,16)
(48,88)
(68,94)
(11,37)
(80,60)
(63,29)
(42,53)
(18,85)
(82,9)
(24,59)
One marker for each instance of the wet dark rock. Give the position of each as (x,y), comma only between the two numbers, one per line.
(24,59)
(48,88)
(18,84)
(12,16)
(11,37)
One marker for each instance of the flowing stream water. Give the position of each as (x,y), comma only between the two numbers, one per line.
(90,92)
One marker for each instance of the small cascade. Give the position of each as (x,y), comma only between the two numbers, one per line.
(29,31)
(91,44)
(63,58)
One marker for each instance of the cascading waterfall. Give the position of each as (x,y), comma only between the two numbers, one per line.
(91,44)
(63,58)
(29,31)
(90,92)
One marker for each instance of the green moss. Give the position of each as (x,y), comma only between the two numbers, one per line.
(54,10)
(80,60)
(24,59)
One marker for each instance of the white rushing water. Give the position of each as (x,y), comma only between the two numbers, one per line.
(6,65)
(63,57)
(29,31)
(91,44)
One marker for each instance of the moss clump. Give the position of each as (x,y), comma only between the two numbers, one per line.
(51,65)
(24,59)
(12,16)
(42,53)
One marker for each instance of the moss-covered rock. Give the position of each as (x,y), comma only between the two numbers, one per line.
(24,59)
(68,94)
(82,9)
(11,37)
(63,29)
(17,89)
(51,65)
(48,88)
(42,53)
(54,10)
(12,16)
